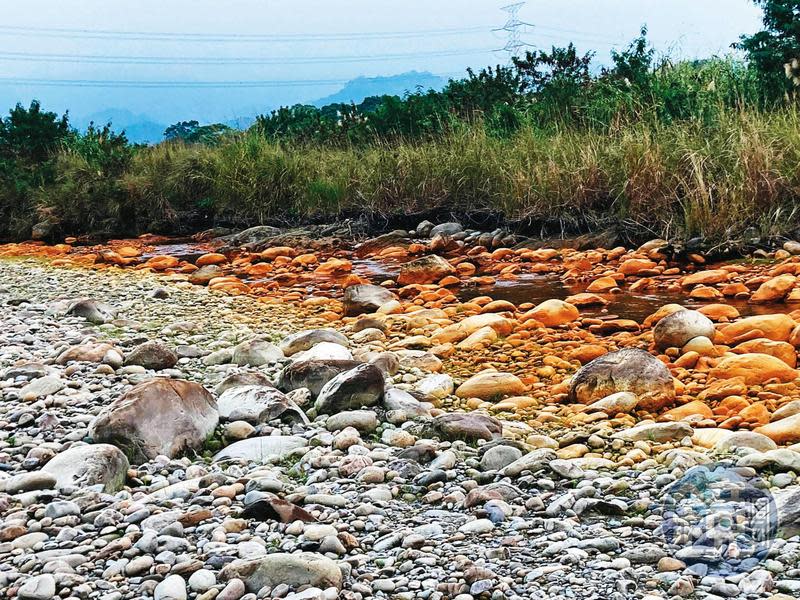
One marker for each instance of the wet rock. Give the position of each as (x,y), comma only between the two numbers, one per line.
(205,274)
(293,570)
(313,374)
(365,298)
(159,416)
(628,370)
(350,390)
(89,465)
(675,330)
(256,352)
(152,355)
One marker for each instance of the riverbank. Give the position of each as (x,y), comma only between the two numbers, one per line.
(428,439)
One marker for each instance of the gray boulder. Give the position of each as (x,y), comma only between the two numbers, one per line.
(159,416)
(93,311)
(628,370)
(262,449)
(365,298)
(312,374)
(675,330)
(294,570)
(241,379)
(88,465)
(256,352)
(304,340)
(353,389)
(256,404)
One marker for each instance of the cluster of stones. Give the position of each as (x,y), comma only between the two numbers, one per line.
(383,440)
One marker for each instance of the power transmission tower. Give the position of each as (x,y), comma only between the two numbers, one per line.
(513,27)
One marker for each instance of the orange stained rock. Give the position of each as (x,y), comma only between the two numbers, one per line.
(212,258)
(634,266)
(782,350)
(305,260)
(258,269)
(755,414)
(485,280)
(501,253)
(775,327)
(449,281)
(709,277)
(662,312)
(754,368)
(783,431)
(704,292)
(552,313)
(734,289)
(716,312)
(586,299)
(793,295)
(465,269)
(687,360)
(114,258)
(334,266)
(276,251)
(774,290)
(351,280)
(162,263)
(586,353)
(695,408)
(496,306)
(641,284)
(128,251)
(732,405)
(791,268)
(717,390)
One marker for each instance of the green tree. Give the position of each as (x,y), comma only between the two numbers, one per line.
(776,46)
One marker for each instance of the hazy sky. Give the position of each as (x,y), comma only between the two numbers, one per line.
(455,34)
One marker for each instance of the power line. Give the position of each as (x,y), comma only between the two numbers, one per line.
(13,30)
(166,60)
(513,27)
(156,84)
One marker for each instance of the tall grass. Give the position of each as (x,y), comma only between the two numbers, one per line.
(714,178)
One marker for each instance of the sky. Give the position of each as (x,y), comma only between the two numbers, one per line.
(311,46)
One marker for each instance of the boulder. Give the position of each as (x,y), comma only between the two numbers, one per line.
(312,374)
(152,355)
(428,269)
(88,465)
(552,313)
(324,351)
(365,298)
(782,350)
(93,311)
(655,432)
(350,390)
(450,228)
(774,290)
(256,352)
(205,274)
(159,416)
(491,385)
(780,459)
(262,449)
(676,329)
(256,404)
(293,570)
(303,340)
(627,370)
(754,368)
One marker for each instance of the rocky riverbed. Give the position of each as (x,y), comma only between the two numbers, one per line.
(281,426)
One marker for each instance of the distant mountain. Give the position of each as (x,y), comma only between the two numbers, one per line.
(357,89)
(138,128)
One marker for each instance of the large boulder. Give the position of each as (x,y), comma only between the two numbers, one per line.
(304,340)
(312,374)
(353,389)
(256,352)
(675,330)
(491,385)
(784,431)
(627,370)
(159,416)
(774,327)
(241,379)
(552,313)
(88,465)
(256,404)
(152,355)
(428,269)
(293,570)
(365,298)
(324,351)
(93,311)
